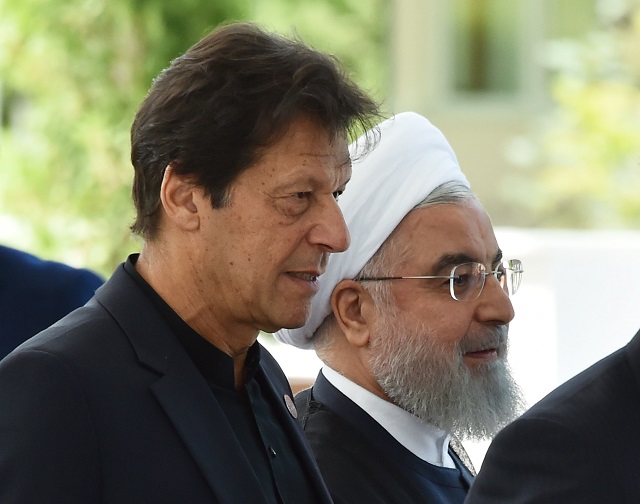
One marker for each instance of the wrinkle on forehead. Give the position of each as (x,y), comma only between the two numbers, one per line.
(449,233)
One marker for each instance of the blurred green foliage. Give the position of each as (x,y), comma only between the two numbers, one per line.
(72,73)
(590,144)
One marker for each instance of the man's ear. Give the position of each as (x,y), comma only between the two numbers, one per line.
(179,199)
(353,309)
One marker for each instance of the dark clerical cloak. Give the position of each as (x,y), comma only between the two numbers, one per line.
(361,462)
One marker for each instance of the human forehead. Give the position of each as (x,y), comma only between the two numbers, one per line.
(453,232)
(305,153)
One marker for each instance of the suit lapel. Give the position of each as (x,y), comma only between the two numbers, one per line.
(205,431)
(299,441)
(182,392)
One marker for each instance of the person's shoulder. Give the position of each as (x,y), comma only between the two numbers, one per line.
(581,436)
(592,392)
(14,261)
(10,255)
(89,330)
(570,417)
(604,393)
(65,276)
(49,275)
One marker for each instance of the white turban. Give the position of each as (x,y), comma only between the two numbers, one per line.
(411,159)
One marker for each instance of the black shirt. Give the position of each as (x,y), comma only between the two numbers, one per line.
(251,416)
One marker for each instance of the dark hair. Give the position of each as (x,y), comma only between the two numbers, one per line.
(211,113)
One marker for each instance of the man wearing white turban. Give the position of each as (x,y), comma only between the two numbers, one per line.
(411,325)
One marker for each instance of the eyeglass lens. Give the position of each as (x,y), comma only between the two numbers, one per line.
(514,272)
(468,279)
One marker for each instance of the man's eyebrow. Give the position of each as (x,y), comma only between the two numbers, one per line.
(448,261)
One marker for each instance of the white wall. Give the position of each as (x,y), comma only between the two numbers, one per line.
(579,301)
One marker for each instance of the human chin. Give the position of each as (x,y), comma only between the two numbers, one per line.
(295,314)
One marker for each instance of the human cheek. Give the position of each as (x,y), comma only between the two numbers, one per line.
(453,328)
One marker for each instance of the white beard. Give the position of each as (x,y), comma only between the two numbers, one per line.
(431,381)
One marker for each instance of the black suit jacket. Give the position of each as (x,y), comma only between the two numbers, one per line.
(578,445)
(106,406)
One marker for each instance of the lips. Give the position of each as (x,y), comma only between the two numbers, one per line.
(492,343)
(307,277)
(309,272)
(482,353)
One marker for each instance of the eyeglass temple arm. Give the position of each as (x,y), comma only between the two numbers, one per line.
(369,279)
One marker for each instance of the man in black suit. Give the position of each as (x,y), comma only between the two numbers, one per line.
(578,445)
(157,391)
(34,293)
(411,325)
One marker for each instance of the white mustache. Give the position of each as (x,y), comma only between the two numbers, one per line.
(492,338)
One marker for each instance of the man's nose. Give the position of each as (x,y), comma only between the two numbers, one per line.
(494,304)
(330,230)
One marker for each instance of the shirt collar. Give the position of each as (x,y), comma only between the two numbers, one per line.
(424,440)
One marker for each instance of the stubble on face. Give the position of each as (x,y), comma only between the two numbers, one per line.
(430,380)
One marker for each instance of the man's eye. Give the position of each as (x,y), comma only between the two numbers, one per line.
(461,280)
(337,194)
(294,204)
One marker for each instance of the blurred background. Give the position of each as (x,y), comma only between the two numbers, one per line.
(540,99)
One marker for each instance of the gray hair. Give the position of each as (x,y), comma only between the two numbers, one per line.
(391,252)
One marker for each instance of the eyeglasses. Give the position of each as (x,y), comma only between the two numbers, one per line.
(467,280)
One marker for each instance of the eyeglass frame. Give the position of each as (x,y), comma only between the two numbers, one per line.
(513,265)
